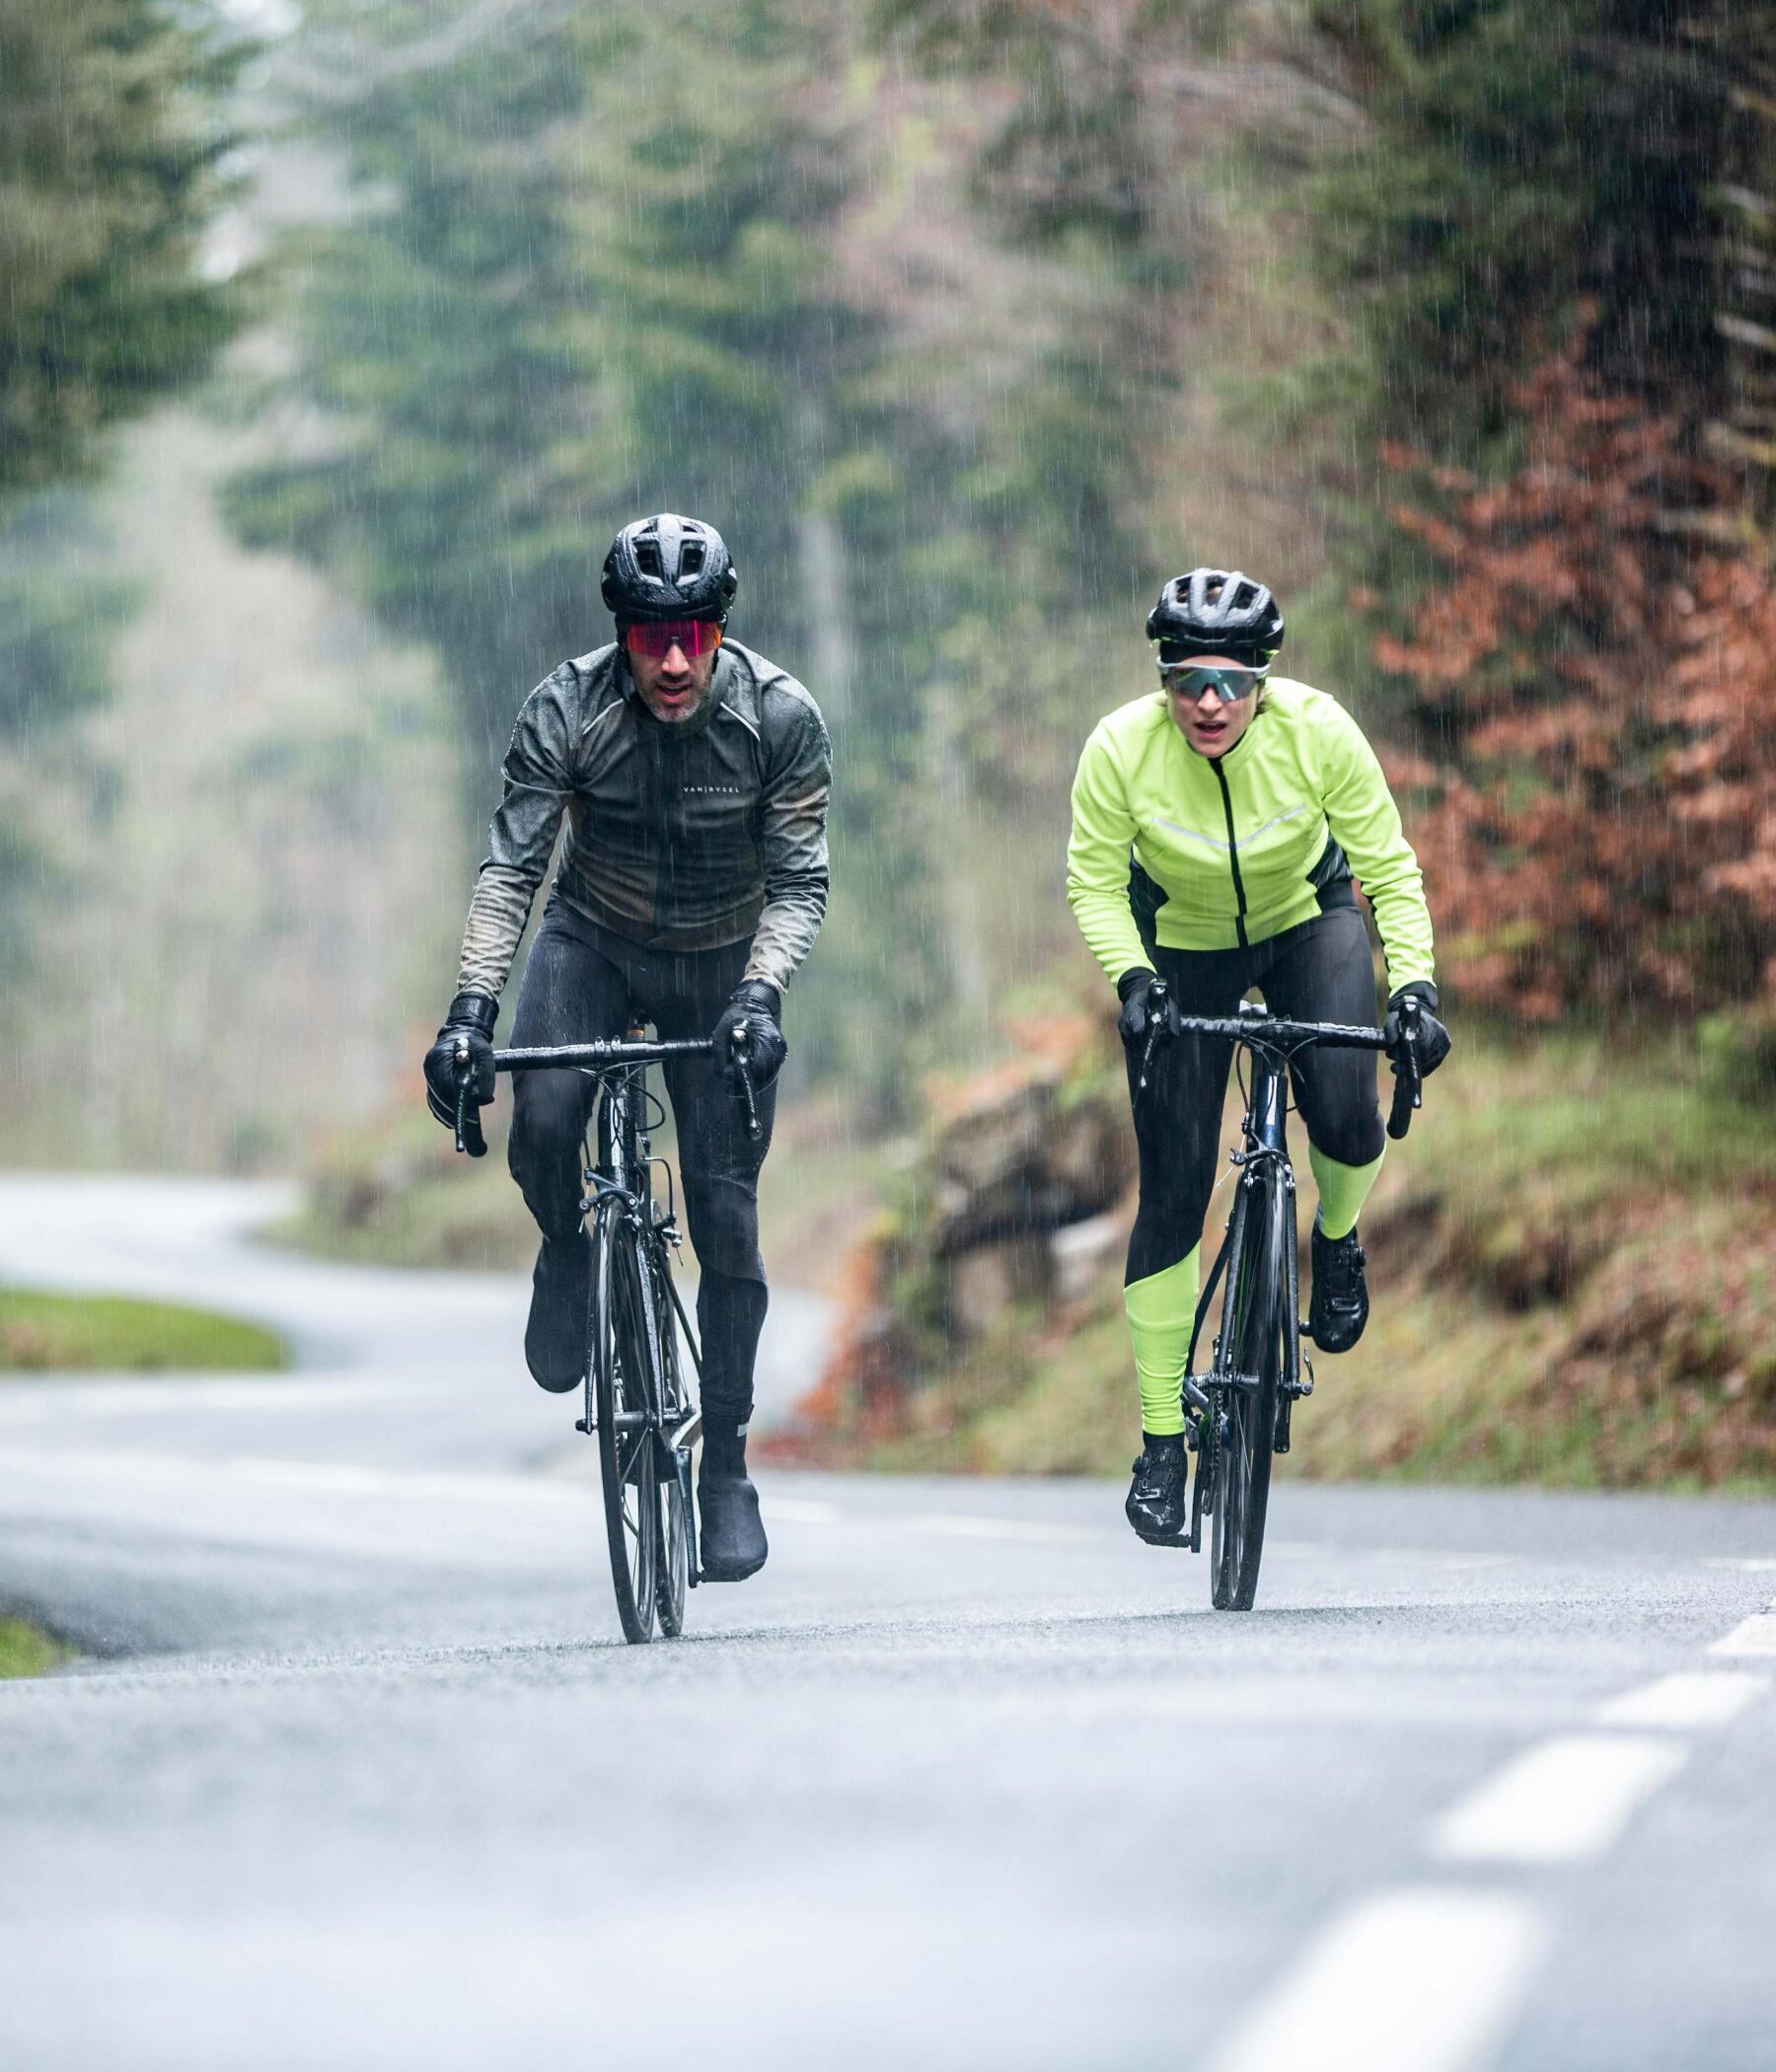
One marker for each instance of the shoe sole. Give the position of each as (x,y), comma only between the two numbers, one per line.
(731,1575)
(1348,1345)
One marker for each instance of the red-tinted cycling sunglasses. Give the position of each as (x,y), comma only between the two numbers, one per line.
(657,640)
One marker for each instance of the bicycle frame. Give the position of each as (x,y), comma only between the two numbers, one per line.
(619,1183)
(1265,1173)
(1220,1403)
(1266,1146)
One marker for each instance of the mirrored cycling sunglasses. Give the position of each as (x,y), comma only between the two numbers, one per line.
(1227,680)
(656,641)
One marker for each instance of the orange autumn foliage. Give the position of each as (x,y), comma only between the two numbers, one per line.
(1596,689)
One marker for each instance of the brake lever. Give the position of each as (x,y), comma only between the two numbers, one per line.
(739,1049)
(1158,1002)
(1409,1082)
(468,1136)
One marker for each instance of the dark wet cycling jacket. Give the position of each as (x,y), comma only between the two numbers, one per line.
(680,836)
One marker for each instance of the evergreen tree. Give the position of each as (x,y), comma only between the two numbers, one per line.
(108,145)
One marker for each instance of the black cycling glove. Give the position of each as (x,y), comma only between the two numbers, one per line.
(1137,1017)
(471,1015)
(754,1006)
(1433,1037)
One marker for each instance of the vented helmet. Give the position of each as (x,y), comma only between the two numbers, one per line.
(669,567)
(1217,611)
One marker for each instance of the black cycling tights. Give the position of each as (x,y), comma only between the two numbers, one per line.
(582,983)
(1320,971)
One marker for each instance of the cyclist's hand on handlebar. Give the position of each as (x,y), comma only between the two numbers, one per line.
(1143,1020)
(754,1007)
(470,1022)
(1433,1038)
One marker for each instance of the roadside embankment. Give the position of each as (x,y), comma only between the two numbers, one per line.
(1572,1261)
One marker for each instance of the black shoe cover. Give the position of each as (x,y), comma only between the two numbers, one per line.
(554,1340)
(1159,1506)
(732,1541)
(1340,1306)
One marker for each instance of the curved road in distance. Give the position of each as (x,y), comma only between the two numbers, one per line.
(357,1772)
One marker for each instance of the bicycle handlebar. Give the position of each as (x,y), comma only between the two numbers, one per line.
(615,1050)
(1259,1029)
(604,1052)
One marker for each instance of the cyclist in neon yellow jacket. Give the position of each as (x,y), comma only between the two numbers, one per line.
(1217,825)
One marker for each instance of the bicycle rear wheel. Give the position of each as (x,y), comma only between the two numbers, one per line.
(625,1382)
(1250,1347)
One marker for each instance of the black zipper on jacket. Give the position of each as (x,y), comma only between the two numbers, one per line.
(1221,778)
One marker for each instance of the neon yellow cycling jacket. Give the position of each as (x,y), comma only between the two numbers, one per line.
(1214,852)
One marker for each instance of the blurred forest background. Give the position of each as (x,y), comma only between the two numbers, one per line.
(338,338)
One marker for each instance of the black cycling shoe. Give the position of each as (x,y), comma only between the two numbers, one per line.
(555,1339)
(731,1540)
(1340,1306)
(1159,1506)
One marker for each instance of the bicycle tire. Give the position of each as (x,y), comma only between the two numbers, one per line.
(1249,1344)
(671,1559)
(624,1379)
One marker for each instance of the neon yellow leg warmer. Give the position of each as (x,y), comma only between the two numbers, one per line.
(1343,1190)
(1160,1310)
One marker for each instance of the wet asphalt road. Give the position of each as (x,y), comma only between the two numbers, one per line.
(357,1771)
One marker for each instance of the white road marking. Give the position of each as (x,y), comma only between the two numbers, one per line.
(1753,1636)
(1751,1565)
(1560,1802)
(960,1527)
(1415,1980)
(1695,1698)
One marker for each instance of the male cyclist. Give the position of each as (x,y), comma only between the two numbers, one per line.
(694,777)
(1216,828)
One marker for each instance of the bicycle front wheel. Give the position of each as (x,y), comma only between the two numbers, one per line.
(625,1384)
(1251,1355)
(671,1561)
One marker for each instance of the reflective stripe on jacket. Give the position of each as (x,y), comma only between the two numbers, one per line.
(1213,853)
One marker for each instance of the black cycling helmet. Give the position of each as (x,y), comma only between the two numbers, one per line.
(669,567)
(1219,612)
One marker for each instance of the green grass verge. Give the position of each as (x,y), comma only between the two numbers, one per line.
(27,1650)
(106,1333)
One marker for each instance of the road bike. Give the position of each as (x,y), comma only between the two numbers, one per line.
(640,1402)
(1236,1414)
